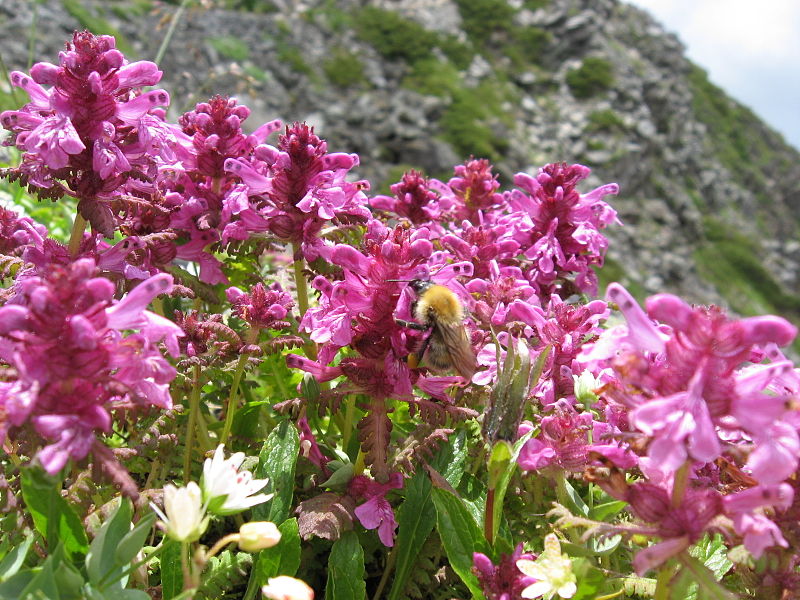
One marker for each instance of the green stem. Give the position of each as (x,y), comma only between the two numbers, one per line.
(76,237)
(221,543)
(194,409)
(488,517)
(188,580)
(679,484)
(170,31)
(230,411)
(662,583)
(32,34)
(349,414)
(104,582)
(300,285)
(386,572)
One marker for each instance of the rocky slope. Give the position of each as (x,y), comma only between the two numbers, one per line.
(709,194)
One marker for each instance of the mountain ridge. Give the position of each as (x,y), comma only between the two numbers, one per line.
(709,193)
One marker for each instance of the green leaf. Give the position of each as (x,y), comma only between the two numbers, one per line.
(43,584)
(346,570)
(503,480)
(709,588)
(714,554)
(591,580)
(415,518)
(11,588)
(101,560)
(13,561)
(460,536)
(451,460)
(281,559)
(571,499)
(52,515)
(171,572)
(603,512)
(277,461)
(131,543)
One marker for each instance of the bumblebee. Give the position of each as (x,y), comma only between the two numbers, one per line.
(446,346)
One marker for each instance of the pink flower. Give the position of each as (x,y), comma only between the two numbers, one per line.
(376,512)
(76,355)
(559,229)
(503,581)
(263,308)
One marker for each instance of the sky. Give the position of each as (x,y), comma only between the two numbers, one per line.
(750,48)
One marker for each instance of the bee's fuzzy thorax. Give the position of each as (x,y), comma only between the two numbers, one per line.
(437,302)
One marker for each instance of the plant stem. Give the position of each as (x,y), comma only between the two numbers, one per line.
(662,583)
(186,567)
(679,484)
(194,409)
(230,410)
(76,237)
(301,288)
(488,516)
(386,572)
(170,31)
(347,428)
(221,543)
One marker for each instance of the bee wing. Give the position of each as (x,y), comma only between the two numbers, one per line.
(457,342)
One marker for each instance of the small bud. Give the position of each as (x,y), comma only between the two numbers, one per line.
(258,535)
(287,588)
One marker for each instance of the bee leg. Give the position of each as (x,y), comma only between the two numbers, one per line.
(412,325)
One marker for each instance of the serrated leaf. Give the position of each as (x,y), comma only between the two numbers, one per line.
(281,559)
(713,552)
(101,560)
(415,517)
(131,543)
(13,561)
(460,536)
(52,515)
(171,572)
(346,570)
(276,461)
(708,587)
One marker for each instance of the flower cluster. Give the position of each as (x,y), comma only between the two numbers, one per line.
(92,130)
(78,356)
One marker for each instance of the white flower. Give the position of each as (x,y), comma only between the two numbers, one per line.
(287,588)
(227,490)
(184,517)
(257,535)
(552,570)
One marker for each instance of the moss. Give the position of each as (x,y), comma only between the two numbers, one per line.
(526,45)
(459,53)
(393,36)
(331,15)
(605,120)
(343,68)
(293,57)
(465,128)
(482,18)
(594,76)
(231,48)
(433,77)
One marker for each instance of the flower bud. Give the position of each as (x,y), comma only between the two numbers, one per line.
(258,535)
(287,588)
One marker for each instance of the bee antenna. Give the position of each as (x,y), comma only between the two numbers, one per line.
(401,280)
